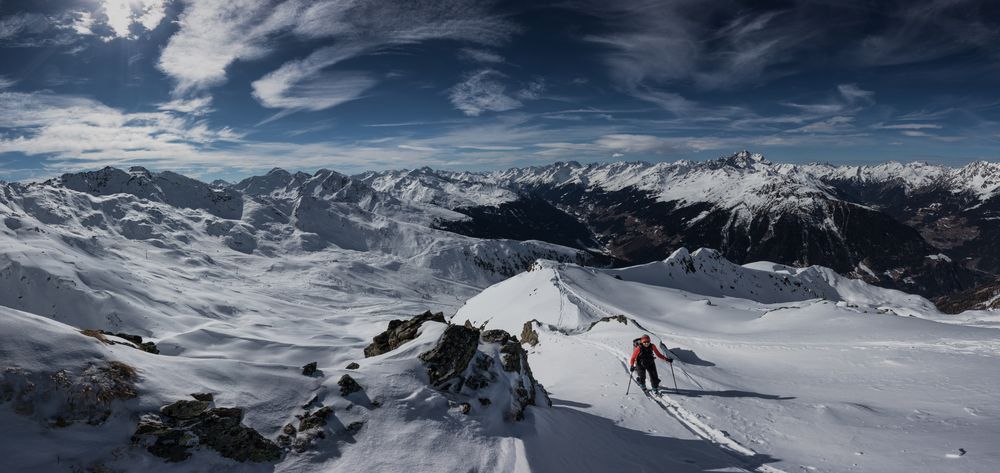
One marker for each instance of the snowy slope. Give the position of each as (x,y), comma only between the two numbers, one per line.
(840,383)
(313,266)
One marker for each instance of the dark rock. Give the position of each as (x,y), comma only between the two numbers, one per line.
(136,340)
(512,353)
(353,366)
(188,424)
(528,333)
(221,430)
(149,426)
(495,336)
(289,430)
(354,427)
(184,409)
(465,408)
(485,401)
(400,332)
(207,397)
(172,445)
(451,356)
(483,374)
(316,419)
(284,441)
(348,385)
(617,318)
(309,369)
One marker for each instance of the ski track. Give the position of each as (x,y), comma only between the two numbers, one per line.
(688,419)
(696,426)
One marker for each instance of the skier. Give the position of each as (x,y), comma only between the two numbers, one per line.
(643,353)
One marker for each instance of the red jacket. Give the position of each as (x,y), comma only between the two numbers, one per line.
(635,354)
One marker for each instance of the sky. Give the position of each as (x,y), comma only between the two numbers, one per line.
(228,89)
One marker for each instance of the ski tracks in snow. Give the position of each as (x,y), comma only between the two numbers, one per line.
(693,423)
(689,420)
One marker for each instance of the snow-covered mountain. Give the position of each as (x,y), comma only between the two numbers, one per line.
(153,322)
(781,369)
(861,221)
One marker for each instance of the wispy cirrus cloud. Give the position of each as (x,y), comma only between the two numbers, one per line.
(215,35)
(480,55)
(485,91)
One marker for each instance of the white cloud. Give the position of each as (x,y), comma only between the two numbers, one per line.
(480,55)
(303,84)
(837,124)
(854,94)
(123,15)
(532,91)
(83,22)
(910,126)
(194,106)
(213,35)
(482,91)
(6,83)
(78,128)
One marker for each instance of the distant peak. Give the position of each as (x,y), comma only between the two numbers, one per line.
(743,159)
(277,171)
(139,171)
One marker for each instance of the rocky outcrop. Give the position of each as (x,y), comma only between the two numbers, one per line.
(185,409)
(620,318)
(514,360)
(400,332)
(65,397)
(310,429)
(528,333)
(348,385)
(309,369)
(450,357)
(466,364)
(983,297)
(133,341)
(185,425)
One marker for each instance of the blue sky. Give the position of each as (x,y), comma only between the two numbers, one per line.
(234,88)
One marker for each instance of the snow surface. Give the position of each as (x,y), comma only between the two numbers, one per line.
(780,368)
(848,378)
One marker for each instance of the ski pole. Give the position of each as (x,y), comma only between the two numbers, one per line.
(682,370)
(673,376)
(630,380)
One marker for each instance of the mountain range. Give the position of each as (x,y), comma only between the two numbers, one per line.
(155,322)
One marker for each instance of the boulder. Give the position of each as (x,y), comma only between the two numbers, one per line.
(188,424)
(185,409)
(207,397)
(400,332)
(316,419)
(353,366)
(221,430)
(348,385)
(309,369)
(450,357)
(528,333)
(495,336)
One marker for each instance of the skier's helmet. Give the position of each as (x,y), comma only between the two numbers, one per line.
(644,338)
